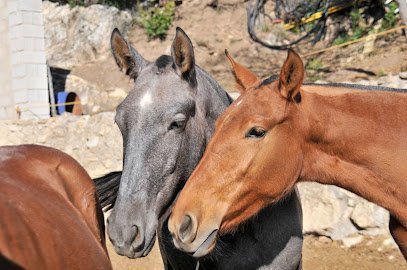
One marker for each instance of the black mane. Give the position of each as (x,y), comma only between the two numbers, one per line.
(273,78)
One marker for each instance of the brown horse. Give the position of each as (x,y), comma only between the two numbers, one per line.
(280,132)
(50,215)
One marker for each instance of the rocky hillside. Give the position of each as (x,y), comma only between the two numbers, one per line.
(78,39)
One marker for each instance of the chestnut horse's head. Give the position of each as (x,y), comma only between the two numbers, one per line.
(254,158)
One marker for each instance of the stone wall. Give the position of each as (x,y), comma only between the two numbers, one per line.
(95,141)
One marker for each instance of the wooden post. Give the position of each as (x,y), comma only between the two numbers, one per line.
(51,92)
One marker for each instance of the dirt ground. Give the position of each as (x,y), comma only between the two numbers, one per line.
(370,254)
(214,30)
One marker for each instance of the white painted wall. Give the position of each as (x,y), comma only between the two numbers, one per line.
(23,72)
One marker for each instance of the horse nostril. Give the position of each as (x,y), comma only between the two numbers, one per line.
(185,229)
(133,232)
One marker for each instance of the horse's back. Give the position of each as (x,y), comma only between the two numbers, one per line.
(50,215)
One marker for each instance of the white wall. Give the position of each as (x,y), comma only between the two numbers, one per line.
(23,73)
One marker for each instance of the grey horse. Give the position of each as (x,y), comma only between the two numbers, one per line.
(166,122)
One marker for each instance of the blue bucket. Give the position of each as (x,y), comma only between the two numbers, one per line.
(61,98)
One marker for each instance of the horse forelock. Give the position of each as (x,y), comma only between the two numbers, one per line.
(163,62)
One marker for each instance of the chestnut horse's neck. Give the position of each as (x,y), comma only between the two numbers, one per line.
(357,140)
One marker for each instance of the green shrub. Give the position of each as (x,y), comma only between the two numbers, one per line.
(157,20)
(358,28)
(341,39)
(355,17)
(389,19)
(74,3)
(314,64)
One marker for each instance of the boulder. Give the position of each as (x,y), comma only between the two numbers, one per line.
(368,215)
(336,213)
(77,35)
(349,242)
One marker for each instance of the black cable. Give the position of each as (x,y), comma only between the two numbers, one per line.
(256,7)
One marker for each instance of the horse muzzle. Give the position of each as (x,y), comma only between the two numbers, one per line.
(189,239)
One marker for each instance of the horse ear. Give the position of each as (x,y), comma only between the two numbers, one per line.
(182,53)
(244,77)
(127,58)
(291,76)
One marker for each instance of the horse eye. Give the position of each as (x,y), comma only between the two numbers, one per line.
(256,133)
(178,123)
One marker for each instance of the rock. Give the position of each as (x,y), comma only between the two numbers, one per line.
(375,231)
(342,229)
(336,213)
(389,81)
(349,242)
(77,35)
(324,239)
(116,93)
(321,82)
(351,203)
(390,243)
(92,142)
(403,75)
(368,215)
(323,206)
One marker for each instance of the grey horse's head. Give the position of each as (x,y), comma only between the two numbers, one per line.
(164,135)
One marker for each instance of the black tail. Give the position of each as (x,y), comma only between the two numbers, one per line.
(107,187)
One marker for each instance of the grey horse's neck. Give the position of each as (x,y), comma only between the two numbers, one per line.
(212,97)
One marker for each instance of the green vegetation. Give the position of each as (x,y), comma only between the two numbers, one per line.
(74,3)
(381,73)
(341,39)
(312,68)
(314,64)
(389,19)
(312,77)
(156,20)
(303,27)
(359,29)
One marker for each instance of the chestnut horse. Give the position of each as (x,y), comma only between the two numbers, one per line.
(278,133)
(50,214)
